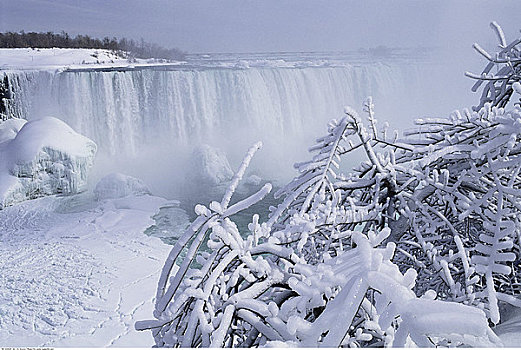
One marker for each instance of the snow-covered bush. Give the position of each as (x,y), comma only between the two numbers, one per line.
(40,158)
(419,245)
(118,185)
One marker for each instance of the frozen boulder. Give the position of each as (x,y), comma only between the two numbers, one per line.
(210,166)
(118,185)
(40,158)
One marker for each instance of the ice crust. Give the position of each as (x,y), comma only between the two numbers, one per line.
(41,158)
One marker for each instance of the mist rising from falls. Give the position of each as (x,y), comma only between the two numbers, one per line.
(147,121)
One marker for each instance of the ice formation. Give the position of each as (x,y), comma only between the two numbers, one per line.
(283,282)
(210,165)
(40,158)
(118,185)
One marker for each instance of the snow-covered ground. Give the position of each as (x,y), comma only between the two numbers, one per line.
(57,58)
(78,272)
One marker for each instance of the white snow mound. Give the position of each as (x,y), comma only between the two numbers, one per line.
(118,185)
(40,158)
(210,165)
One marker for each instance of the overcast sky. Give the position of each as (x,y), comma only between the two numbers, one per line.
(270,25)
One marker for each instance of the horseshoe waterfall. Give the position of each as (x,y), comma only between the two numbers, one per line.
(124,111)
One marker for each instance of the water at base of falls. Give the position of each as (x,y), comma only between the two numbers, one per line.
(173,219)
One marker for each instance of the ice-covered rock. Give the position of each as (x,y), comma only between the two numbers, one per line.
(118,185)
(40,158)
(210,165)
(10,128)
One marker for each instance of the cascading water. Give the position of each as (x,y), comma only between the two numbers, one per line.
(150,116)
(124,111)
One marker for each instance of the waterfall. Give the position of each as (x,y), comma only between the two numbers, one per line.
(123,111)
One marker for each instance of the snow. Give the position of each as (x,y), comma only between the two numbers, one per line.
(42,157)
(78,272)
(210,165)
(118,185)
(30,57)
(59,58)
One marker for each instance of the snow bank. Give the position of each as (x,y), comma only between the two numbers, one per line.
(80,276)
(35,58)
(118,185)
(70,59)
(40,158)
(210,165)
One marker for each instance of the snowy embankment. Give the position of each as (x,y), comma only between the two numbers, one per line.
(77,272)
(59,59)
(75,269)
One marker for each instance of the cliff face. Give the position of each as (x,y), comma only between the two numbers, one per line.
(5,95)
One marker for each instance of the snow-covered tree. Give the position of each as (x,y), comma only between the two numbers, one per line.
(420,244)
(499,87)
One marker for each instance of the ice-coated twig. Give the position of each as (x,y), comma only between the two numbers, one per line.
(239,174)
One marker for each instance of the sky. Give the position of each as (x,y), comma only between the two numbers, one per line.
(200,26)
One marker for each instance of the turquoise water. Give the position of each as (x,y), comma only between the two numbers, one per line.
(173,219)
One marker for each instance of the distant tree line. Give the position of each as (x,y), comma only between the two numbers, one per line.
(138,49)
